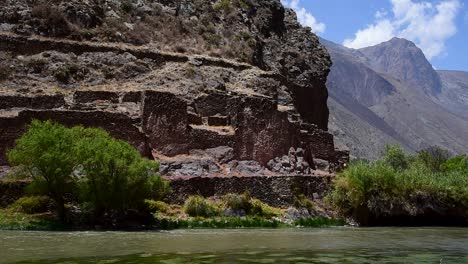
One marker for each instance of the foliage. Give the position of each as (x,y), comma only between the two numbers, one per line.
(197,206)
(224,5)
(157,206)
(251,206)
(46,153)
(433,158)
(31,204)
(106,173)
(400,183)
(458,163)
(238,202)
(65,73)
(10,220)
(117,177)
(301,201)
(262,209)
(395,157)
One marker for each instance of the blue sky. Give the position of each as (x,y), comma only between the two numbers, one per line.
(438,27)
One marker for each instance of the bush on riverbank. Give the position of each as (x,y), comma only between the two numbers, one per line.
(404,189)
(104,176)
(198,206)
(251,206)
(31,204)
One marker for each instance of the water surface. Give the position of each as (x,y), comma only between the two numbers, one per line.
(331,245)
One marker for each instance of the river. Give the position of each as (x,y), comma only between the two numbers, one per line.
(328,245)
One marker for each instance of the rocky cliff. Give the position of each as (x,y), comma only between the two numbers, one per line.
(209,88)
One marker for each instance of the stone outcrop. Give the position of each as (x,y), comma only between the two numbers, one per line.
(199,115)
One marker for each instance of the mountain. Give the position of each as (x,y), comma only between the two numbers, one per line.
(390,93)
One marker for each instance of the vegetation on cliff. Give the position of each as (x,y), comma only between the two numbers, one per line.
(402,189)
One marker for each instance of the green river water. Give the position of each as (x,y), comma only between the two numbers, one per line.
(329,245)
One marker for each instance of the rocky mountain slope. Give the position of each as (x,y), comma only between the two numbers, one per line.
(209,88)
(393,95)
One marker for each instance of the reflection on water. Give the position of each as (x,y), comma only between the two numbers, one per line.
(336,245)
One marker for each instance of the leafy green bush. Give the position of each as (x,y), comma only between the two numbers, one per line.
(117,177)
(157,206)
(106,173)
(396,157)
(301,201)
(458,163)
(197,206)
(238,201)
(31,204)
(224,5)
(46,153)
(262,209)
(252,207)
(433,158)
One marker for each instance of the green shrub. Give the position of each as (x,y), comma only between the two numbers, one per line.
(396,157)
(66,72)
(433,158)
(262,209)
(458,163)
(117,177)
(46,153)
(106,173)
(301,201)
(157,206)
(238,201)
(378,190)
(31,204)
(197,206)
(224,5)
(127,6)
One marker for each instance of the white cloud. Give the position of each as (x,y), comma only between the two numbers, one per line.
(428,25)
(305,17)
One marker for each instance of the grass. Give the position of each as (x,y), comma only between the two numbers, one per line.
(220,222)
(197,206)
(11,220)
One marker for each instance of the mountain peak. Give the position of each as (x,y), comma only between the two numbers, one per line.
(400,41)
(402,59)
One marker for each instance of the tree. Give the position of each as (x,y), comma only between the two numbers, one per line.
(117,177)
(434,157)
(45,153)
(108,174)
(396,157)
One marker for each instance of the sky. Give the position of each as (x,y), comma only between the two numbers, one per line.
(438,27)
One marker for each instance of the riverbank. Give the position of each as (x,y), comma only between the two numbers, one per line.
(46,222)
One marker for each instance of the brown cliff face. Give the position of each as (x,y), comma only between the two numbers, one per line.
(198,111)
